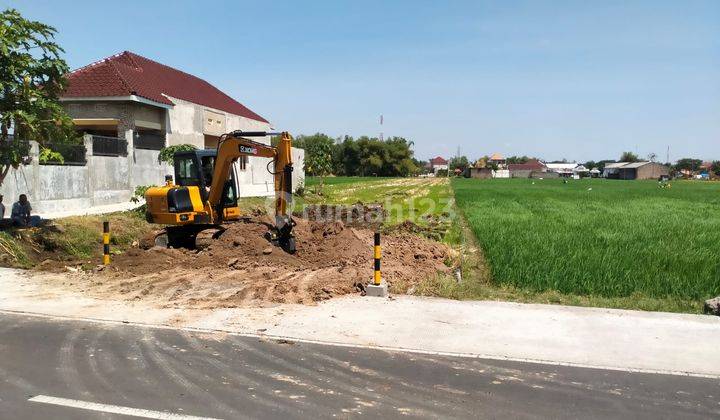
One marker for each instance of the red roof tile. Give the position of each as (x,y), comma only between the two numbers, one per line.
(530,165)
(438,161)
(127,74)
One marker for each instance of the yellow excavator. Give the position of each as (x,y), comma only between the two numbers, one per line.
(203,195)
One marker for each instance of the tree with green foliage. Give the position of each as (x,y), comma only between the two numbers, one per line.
(601,164)
(364,156)
(372,156)
(629,157)
(688,164)
(458,162)
(421,165)
(517,159)
(715,167)
(168,152)
(318,157)
(346,157)
(31,81)
(399,157)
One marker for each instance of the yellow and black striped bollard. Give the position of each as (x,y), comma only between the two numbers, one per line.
(106,243)
(377,278)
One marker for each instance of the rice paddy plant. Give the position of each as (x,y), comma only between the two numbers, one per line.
(596,237)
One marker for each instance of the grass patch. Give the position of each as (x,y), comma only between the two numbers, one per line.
(80,237)
(71,239)
(12,252)
(593,242)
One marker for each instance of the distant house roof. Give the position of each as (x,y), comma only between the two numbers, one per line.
(530,165)
(635,165)
(497,156)
(561,166)
(128,74)
(626,165)
(438,161)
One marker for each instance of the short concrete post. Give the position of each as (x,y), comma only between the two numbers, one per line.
(378,287)
(106,243)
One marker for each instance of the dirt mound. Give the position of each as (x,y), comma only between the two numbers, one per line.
(241,268)
(357,215)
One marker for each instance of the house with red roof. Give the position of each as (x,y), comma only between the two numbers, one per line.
(438,163)
(136,98)
(527,169)
(149,105)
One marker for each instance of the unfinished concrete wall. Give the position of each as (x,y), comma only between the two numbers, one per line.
(109,180)
(652,170)
(106,180)
(128,114)
(146,170)
(102,181)
(520,173)
(186,123)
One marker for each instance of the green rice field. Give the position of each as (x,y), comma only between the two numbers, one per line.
(594,237)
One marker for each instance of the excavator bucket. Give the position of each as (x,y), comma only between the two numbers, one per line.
(282,235)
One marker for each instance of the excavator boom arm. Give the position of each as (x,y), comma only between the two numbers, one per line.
(236,144)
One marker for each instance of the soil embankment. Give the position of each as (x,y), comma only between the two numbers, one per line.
(241,268)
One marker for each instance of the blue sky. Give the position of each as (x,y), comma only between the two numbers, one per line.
(558,79)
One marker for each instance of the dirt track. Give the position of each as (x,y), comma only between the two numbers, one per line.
(242,269)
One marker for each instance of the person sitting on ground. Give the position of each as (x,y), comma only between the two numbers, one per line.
(2,208)
(21,211)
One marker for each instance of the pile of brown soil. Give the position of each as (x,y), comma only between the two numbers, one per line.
(357,215)
(241,268)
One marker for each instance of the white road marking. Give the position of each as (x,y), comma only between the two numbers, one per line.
(115,409)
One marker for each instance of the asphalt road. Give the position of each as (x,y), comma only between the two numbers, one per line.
(71,368)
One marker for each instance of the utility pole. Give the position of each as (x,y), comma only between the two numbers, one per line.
(381,123)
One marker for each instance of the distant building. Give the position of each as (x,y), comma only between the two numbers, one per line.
(562,169)
(527,169)
(438,164)
(635,170)
(498,160)
(480,173)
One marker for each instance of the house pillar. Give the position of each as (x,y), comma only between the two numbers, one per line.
(126,131)
(89,164)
